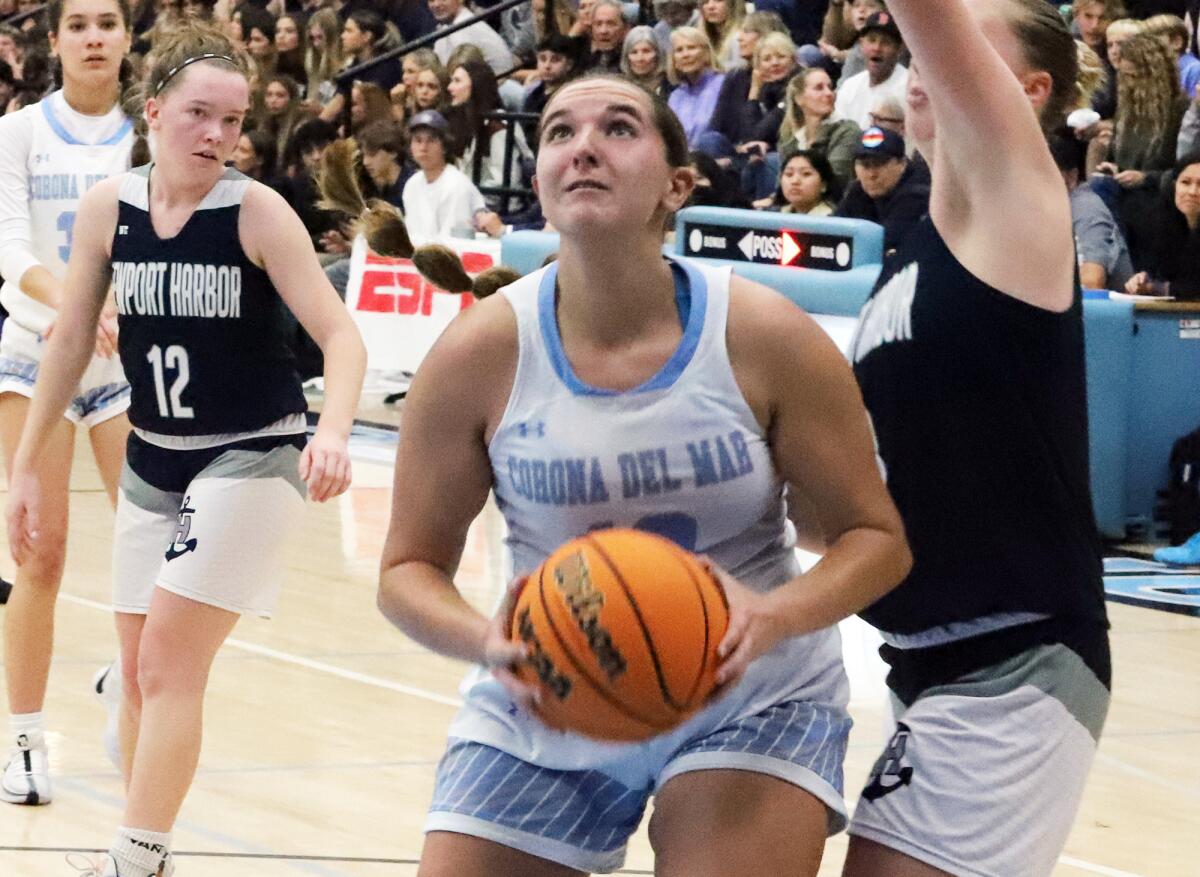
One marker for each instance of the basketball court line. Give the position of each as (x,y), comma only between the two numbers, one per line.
(413,691)
(309,663)
(1072,862)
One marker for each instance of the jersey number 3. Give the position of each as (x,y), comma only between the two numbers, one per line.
(175,359)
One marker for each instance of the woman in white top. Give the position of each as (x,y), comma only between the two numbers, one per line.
(53,152)
(615,348)
(473,94)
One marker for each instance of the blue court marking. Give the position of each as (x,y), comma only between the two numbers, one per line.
(1128,565)
(1173,593)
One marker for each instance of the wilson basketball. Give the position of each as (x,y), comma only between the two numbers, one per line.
(622,629)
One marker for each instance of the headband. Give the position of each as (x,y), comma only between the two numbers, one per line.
(207,56)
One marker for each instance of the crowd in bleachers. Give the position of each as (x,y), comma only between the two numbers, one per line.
(789,105)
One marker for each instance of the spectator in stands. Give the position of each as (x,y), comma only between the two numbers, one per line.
(480,34)
(1104,261)
(754,27)
(692,69)
(8,85)
(258,30)
(838,50)
(12,48)
(323,58)
(439,200)
(643,61)
(382,147)
(881,44)
(671,14)
(1174,33)
(474,94)
(721,20)
(1173,264)
(715,186)
(886,189)
(801,18)
(1150,109)
(554,17)
(364,35)
(557,62)
(806,185)
(404,94)
(300,165)
(772,65)
(888,113)
(809,121)
(282,110)
(735,90)
(607,35)
(1090,20)
(368,103)
(1119,32)
(289,48)
(255,154)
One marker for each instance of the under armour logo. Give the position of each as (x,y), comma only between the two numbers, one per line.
(536,428)
(182,544)
(890,772)
(122,229)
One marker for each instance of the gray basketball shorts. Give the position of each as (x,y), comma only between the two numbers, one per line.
(209,524)
(984,775)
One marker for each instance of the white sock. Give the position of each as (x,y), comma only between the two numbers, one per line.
(30,725)
(138,851)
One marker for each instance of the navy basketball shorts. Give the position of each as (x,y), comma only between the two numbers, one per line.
(102,394)
(209,524)
(984,775)
(583,818)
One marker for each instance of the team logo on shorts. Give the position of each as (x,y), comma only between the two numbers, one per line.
(890,771)
(182,544)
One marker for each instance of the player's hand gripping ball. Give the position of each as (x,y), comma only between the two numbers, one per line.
(621,629)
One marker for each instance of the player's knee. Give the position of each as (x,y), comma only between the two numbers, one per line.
(44,570)
(163,669)
(130,684)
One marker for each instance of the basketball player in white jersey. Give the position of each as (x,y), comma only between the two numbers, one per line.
(52,153)
(723,392)
(201,260)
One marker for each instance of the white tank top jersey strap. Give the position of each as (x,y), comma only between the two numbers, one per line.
(682,455)
(51,155)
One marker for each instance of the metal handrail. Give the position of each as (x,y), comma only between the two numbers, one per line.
(18,17)
(506,189)
(421,42)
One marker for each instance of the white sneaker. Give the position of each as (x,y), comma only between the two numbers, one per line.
(27,777)
(107,686)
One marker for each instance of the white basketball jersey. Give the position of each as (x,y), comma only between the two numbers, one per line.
(68,152)
(682,456)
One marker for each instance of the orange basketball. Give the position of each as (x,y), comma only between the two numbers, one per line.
(622,629)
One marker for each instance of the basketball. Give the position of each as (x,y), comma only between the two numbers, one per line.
(622,629)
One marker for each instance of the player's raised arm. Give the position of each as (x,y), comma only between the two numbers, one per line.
(996,190)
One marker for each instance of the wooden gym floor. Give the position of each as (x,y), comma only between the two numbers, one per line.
(325,724)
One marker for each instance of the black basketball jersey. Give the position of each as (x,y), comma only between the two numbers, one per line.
(979,407)
(202,335)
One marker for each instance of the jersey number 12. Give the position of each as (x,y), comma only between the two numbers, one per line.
(176,358)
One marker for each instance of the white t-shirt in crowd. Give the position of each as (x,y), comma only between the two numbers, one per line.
(436,209)
(856,96)
(494,49)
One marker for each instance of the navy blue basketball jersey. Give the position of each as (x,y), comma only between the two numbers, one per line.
(980,409)
(202,331)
